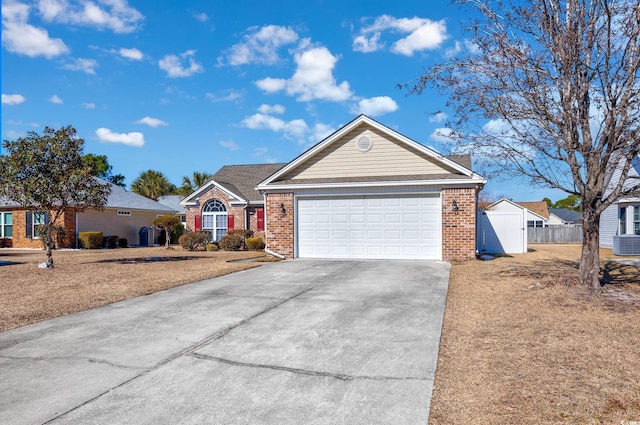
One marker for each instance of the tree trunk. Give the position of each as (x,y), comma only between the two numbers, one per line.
(590,259)
(167,233)
(49,246)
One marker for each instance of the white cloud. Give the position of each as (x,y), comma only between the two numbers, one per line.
(271,109)
(12,99)
(294,129)
(151,122)
(202,17)
(85,65)
(56,99)
(133,53)
(320,131)
(89,105)
(375,106)
(444,135)
(271,85)
(259,46)
(228,96)
(130,139)
(424,34)
(115,15)
(20,37)
(229,144)
(174,68)
(263,153)
(459,46)
(313,78)
(438,117)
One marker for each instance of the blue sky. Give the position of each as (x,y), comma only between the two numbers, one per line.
(183,86)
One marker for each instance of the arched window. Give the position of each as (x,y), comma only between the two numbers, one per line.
(214,219)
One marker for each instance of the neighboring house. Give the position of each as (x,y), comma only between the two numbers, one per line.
(537,212)
(367,191)
(229,200)
(564,217)
(623,216)
(173,202)
(124,215)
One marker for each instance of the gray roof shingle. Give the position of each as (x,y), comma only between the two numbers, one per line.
(569,216)
(118,198)
(243,179)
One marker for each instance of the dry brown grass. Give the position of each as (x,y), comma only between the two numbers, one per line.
(522,343)
(87,279)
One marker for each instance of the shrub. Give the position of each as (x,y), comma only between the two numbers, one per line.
(212,247)
(241,232)
(6,243)
(90,240)
(232,242)
(110,242)
(123,243)
(194,241)
(168,223)
(175,236)
(255,244)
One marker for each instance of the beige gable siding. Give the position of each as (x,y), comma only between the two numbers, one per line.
(386,158)
(111,224)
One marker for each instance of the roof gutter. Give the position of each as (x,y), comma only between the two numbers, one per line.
(441,182)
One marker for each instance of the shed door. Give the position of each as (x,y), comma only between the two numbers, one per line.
(369,227)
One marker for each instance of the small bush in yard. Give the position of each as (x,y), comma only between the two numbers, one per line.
(110,242)
(232,242)
(123,243)
(212,247)
(90,240)
(241,232)
(255,244)
(194,241)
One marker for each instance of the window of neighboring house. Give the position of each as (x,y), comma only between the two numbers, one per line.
(214,219)
(37,219)
(6,225)
(534,223)
(636,220)
(623,221)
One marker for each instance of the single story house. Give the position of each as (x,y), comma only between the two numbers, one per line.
(537,212)
(366,191)
(229,200)
(564,217)
(124,215)
(623,216)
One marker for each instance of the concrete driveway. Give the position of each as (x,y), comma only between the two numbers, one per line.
(295,342)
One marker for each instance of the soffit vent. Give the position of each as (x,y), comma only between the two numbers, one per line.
(364,144)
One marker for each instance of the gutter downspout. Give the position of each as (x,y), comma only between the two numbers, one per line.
(275,254)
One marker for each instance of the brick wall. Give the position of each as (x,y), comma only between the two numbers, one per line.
(214,193)
(458,230)
(279,227)
(20,239)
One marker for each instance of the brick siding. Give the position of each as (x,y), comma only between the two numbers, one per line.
(279,227)
(20,239)
(458,229)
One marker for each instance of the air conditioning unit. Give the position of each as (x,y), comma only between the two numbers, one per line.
(626,245)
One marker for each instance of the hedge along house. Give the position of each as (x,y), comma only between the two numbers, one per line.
(124,215)
(229,200)
(367,191)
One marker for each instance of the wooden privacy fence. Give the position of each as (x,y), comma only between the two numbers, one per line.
(555,234)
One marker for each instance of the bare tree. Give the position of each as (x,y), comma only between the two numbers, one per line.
(550,91)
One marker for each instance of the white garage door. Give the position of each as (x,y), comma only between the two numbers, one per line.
(406,227)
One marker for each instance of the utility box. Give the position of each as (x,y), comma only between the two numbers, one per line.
(626,245)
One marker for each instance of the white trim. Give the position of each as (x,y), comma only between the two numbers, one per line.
(205,187)
(519,206)
(363,119)
(457,183)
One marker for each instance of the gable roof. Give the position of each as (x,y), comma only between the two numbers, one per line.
(568,216)
(539,207)
(239,181)
(521,205)
(458,164)
(118,198)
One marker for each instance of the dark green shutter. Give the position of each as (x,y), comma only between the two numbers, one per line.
(29,225)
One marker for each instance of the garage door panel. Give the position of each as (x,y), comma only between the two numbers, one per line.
(369,227)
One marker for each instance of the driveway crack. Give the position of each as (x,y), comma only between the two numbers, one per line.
(89,359)
(340,376)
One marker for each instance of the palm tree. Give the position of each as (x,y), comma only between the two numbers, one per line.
(152,184)
(190,185)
